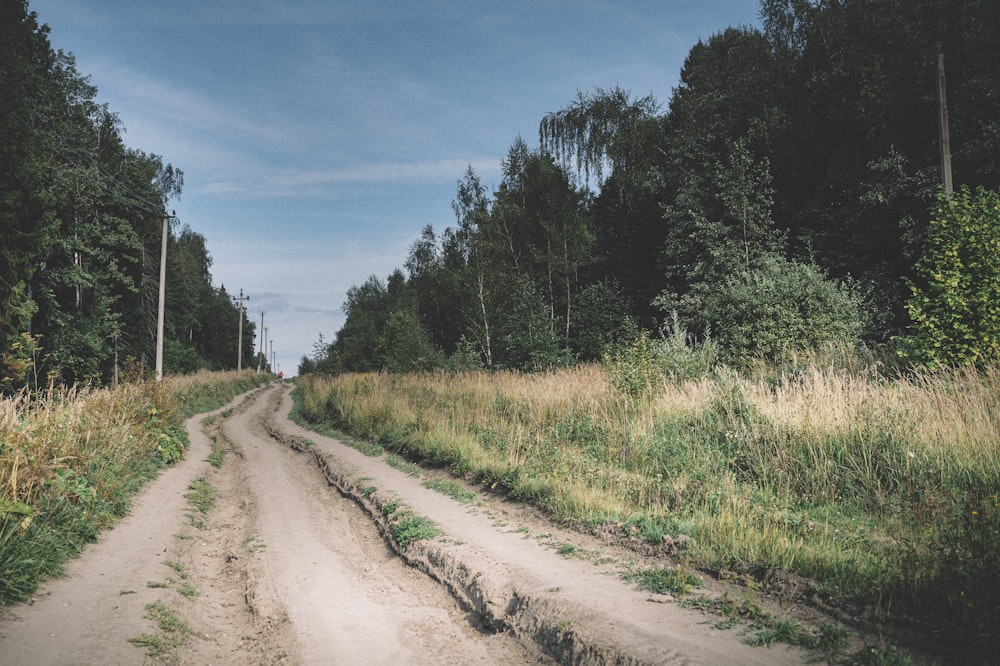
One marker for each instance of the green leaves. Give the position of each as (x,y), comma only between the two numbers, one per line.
(955,302)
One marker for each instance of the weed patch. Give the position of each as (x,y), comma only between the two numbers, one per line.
(414,528)
(171,634)
(675,581)
(452,489)
(201,496)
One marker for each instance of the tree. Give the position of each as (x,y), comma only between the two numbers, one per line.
(468,257)
(603,317)
(543,221)
(856,172)
(609,131)
(356,345)
(25,63)
(955,302)
(77,210)
(596,129)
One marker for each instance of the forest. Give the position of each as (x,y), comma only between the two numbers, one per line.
(787,197)
(81,218)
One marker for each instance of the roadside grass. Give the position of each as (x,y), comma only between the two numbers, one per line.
(879,489)
(452,489)
(676,580)
(71,459)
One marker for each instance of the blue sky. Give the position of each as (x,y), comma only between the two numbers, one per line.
(318,137)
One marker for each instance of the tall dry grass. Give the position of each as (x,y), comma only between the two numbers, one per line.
(71,459)
(881,489)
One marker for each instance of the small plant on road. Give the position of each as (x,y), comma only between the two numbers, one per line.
(202,496)
(413,529)
(172,633)
(187,591)
(217,455)
(676,581)
(452,489)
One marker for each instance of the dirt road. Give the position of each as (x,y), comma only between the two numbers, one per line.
(290,566)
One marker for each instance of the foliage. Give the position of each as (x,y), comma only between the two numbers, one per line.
(955,302)
(413,528)
(81,219)
(775,307)
(639,367)
(595,128)
(675,581)
(172,633)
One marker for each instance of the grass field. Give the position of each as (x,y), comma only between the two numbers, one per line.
(880,491)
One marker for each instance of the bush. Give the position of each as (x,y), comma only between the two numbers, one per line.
(405,345)
(777,307)
(635,368)
(955,307)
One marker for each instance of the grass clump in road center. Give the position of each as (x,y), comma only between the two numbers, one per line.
(201,497)
(218,453)
(171,634)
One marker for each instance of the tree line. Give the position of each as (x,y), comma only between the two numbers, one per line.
(787,197)
(80,232)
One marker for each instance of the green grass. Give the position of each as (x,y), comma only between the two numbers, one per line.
(171,634)
(676,581)
(879,489)
(187,590)
(217,454)
(452,489)
(414,528)
(201,496)
(403,465)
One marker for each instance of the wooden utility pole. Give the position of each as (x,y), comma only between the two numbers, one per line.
(163,298)
(943,127)
(260,356)
(239,340)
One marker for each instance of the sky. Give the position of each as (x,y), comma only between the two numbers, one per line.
(319,137)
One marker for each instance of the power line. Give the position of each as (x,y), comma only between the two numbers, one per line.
(89,159)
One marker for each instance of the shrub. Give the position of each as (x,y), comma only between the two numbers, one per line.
(776,307)
(635,368)
(955,306)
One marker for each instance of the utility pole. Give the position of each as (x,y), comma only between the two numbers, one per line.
(239,340)
(273,370)
(163,298)
(943,128)
(260,356)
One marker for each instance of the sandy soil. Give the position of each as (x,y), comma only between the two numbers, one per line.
(292,566)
